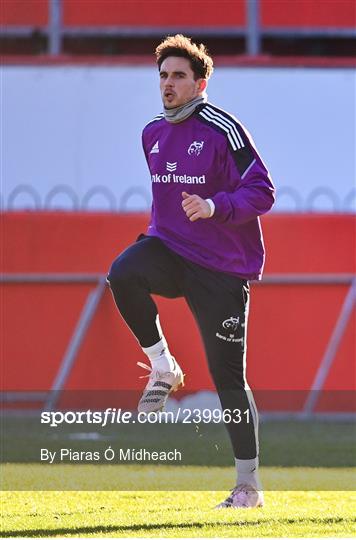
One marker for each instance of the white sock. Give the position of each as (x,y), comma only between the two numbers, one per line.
(159,356)
(247,472)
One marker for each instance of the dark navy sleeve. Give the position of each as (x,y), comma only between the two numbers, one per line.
(253,193)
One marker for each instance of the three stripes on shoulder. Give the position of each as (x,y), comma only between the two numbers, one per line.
(158,117)
(226,124)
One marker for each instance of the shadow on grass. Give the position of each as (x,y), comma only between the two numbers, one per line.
(146,527)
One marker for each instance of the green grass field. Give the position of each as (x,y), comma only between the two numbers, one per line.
(175,514)
(307,470)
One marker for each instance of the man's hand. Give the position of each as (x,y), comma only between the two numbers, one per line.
(195,207)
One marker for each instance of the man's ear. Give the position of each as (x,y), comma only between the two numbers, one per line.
(203,84)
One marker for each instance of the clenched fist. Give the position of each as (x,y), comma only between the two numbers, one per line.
(195,207)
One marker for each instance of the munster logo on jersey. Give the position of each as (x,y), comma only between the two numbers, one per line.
(195,148)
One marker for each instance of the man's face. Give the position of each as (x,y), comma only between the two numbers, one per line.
(177,83)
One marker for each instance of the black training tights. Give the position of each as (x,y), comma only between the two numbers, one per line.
(219,303)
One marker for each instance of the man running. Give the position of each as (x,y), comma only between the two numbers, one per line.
(203,243)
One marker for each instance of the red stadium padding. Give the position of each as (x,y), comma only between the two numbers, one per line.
(24,12)
(176,13)
(308,13)
(289,329)
(87,242)
(155,13)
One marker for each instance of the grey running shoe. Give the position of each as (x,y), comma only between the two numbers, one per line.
(243,496)
(158,388)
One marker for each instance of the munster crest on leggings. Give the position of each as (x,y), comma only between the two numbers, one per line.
(228,330)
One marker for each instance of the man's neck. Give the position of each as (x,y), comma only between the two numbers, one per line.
(175,115)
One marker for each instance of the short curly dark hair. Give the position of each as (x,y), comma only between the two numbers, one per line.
(182,46)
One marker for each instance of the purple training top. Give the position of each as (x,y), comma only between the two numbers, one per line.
(212,155)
